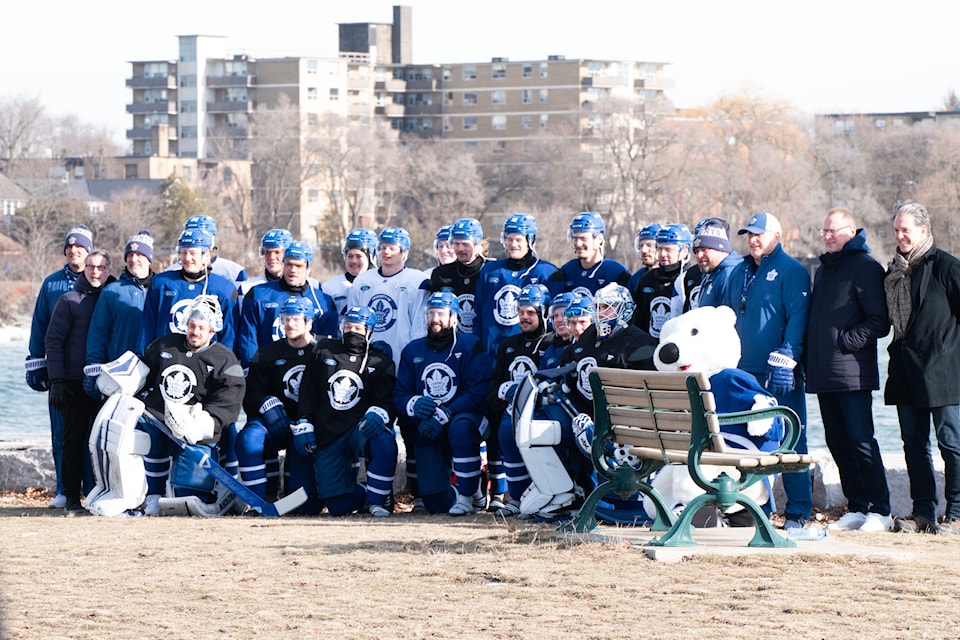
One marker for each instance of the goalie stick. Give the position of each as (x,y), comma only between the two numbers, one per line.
(203,460)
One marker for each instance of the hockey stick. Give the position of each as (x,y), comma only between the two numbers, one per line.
(202,460)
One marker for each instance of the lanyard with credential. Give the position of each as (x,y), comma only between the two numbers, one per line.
(748,279)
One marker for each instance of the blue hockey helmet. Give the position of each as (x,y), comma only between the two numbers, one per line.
(587,222)
(443,235)
(395,235)
(297,306)
(580,306)
(521,224)
(275,239)
(194,238)
(675,234)
(536,296)
(363,240)
(360,315)
(298,250)
(467,229)
(616,306)
(444,300)
(206,223)
(562,301)
(649,232)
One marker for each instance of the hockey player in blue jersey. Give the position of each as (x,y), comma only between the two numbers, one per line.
(589,270)
(501,280)
(218,265)
(271,404)
(260,316)
(439,400)
(171,292)
(393,292)
(560,333)
(359,254)
(461,275)
(645,245)
(272,245)
(346,411)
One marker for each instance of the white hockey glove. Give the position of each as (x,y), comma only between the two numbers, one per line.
(189,422)
(583,430)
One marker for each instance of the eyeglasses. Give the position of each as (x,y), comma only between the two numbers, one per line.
(833,232)
(96,267)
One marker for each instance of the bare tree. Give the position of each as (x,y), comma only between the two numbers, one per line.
(275,149)
(23,130)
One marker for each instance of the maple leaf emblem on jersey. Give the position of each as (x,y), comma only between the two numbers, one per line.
(437,384)
(343,390)
(177,385)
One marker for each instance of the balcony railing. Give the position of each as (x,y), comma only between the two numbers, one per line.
(233,106)
(241,80)
(165,106)
(158,82)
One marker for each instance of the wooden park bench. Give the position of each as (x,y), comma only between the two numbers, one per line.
(670,418)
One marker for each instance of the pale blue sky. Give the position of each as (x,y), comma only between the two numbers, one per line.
(821,55)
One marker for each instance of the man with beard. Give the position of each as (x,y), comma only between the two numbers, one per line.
(461,275)
(646,246)
(658,296)
(716,260)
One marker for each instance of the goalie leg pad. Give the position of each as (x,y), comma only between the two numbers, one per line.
(117,449)
(194,506)
(535,502)
(538,433)
(546,470)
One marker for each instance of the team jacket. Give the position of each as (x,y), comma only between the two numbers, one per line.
(276,370)
(455,373)
(574,278)
(496,296)
(339,386)
(398,302)
(66,340)
(713,285)
(260,321)
(164,310)
(115,326)
(54,285)
(461,280)
(212,377)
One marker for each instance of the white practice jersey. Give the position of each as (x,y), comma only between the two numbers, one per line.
(338,288)
(399,303)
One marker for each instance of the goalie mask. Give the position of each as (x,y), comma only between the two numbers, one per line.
(206,308)
(612,309)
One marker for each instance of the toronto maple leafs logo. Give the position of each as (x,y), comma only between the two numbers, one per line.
(178,316)
(277,332)
(659,314)
(386,310)
(439,382)
(291,382)
(177,384)
(521,367)
(772,275)
(505,310)
(695,296)
(583,292)
(583,372)
(344,389)
(467,313)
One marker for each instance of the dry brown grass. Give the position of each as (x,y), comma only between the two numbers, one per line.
(439,577)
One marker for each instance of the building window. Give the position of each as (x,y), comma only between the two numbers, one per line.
(311,93)
(880,123)
(543,69)
(313,195)
(470,145)
(311,66)
(227,176)
(448,98)
(500,148)
(526,96)
(470,123)
(130,170)
(447,73)
(543,96)
(188,80)
(526,122)
(188,106)
(498,97)
(498,71)
(187,172)
(312,119)
(526,70)
(544,121)
(470,72)
(498,123)
(188,49)
(334,94)
(469,99)
(447,123)
(188,132)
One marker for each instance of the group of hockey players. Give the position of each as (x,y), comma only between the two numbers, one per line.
(456,361)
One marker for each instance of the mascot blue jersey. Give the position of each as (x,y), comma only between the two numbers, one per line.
(164,310)
(260,322)
(496,313)
(457,376)
(399,303)
(736,390)
(585,282)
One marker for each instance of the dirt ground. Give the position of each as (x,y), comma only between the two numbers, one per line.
(413,576)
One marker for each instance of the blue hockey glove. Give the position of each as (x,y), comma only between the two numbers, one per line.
(373,425)
(442,414)
(90,374)
(274,416)
(780,365)
(36,374)
(583,431)
(303,438)
(431,429)
(424,407)
(382,346)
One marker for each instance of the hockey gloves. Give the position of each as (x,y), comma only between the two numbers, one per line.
(431,429)
(36,374)
(373,425)
(583,432)
(303,437)
(274,416)
(780,366)
(60,394)
(90,374)
(189,422)
(424,407)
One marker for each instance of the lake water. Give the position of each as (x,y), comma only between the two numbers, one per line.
(23,412)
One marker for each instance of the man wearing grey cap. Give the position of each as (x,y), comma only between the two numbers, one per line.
(711,246)
(770,293)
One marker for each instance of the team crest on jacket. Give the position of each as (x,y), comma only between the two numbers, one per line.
(177,383)
(659,314)
(291,382)
(521,367)
(343,389)
(439,382)
(467,312)
(505,309)
(583,372)
(386,310)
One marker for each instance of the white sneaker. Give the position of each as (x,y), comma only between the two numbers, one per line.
(876,523)
(850,521)
(378,511)
(151,506)
(463,506)
(59,502)
(480,500)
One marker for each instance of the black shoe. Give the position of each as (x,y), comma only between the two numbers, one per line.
(73,506)
(916,524)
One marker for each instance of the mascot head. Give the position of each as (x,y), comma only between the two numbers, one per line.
(703,339)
